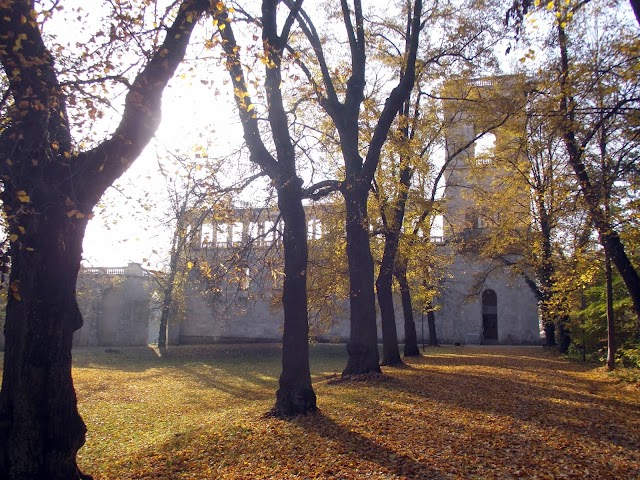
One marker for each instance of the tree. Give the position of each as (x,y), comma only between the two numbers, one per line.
(295,394)
(359,171)
(49,191)
(580,130)
(596,88)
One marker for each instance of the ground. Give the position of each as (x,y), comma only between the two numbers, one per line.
(456,412)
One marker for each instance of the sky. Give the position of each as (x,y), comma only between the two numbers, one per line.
(197,111)
(123,230)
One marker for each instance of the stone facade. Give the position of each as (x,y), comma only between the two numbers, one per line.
(234,292)
(117,307)
(482,301)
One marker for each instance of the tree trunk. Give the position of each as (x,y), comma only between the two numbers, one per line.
(164,315)
(550,333)
(431,320)
(48,194)
(384,287)
(411,348)
(611,335)
(167,294)
(607,234)
(40,427)
(295,395)
(564,334)
(363,339)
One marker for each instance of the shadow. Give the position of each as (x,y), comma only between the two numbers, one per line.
(572,405)
(353,443)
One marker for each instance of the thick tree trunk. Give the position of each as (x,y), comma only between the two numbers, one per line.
(363,339)
(411,348)
(384,287)
(40,427)
(48,193)
(295,395)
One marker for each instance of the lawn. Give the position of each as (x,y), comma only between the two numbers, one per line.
(456,412)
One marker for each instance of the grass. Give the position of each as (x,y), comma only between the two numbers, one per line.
(456,412)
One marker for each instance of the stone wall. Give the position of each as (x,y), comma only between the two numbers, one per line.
(117,307)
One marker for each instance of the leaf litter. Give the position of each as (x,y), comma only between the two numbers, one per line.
(458,412)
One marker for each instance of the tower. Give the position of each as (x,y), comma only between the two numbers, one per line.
(482,300)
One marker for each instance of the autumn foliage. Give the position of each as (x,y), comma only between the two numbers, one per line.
(456,412)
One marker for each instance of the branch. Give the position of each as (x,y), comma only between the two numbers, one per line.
(142,110)
(321,189)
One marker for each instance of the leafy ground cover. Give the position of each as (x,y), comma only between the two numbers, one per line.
(458,412)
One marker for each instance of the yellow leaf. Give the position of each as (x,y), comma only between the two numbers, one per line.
(13,237)
(71,213)
(189,265)
(21,229)
(250,107)
(23,197)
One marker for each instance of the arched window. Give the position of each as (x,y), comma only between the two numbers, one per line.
(489,315)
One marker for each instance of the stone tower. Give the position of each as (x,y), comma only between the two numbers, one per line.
(481,301)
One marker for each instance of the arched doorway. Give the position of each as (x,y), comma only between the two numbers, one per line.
(489,315)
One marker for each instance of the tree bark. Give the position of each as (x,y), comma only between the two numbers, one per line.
(611,335)
(295,395)
(564,334)
(40,427)
(48,194)
(411,348)
(431,320)
(363,339)
(384,288)
(550,333)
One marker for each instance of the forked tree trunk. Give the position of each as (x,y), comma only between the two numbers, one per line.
(295,394)
(40,427)
(411,348)
(363,339)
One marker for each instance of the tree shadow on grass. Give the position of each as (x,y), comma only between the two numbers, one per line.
(570,404)
(366,449)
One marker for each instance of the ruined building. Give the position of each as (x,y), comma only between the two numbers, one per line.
(233,289)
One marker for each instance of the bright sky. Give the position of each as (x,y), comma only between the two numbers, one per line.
(124,231)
